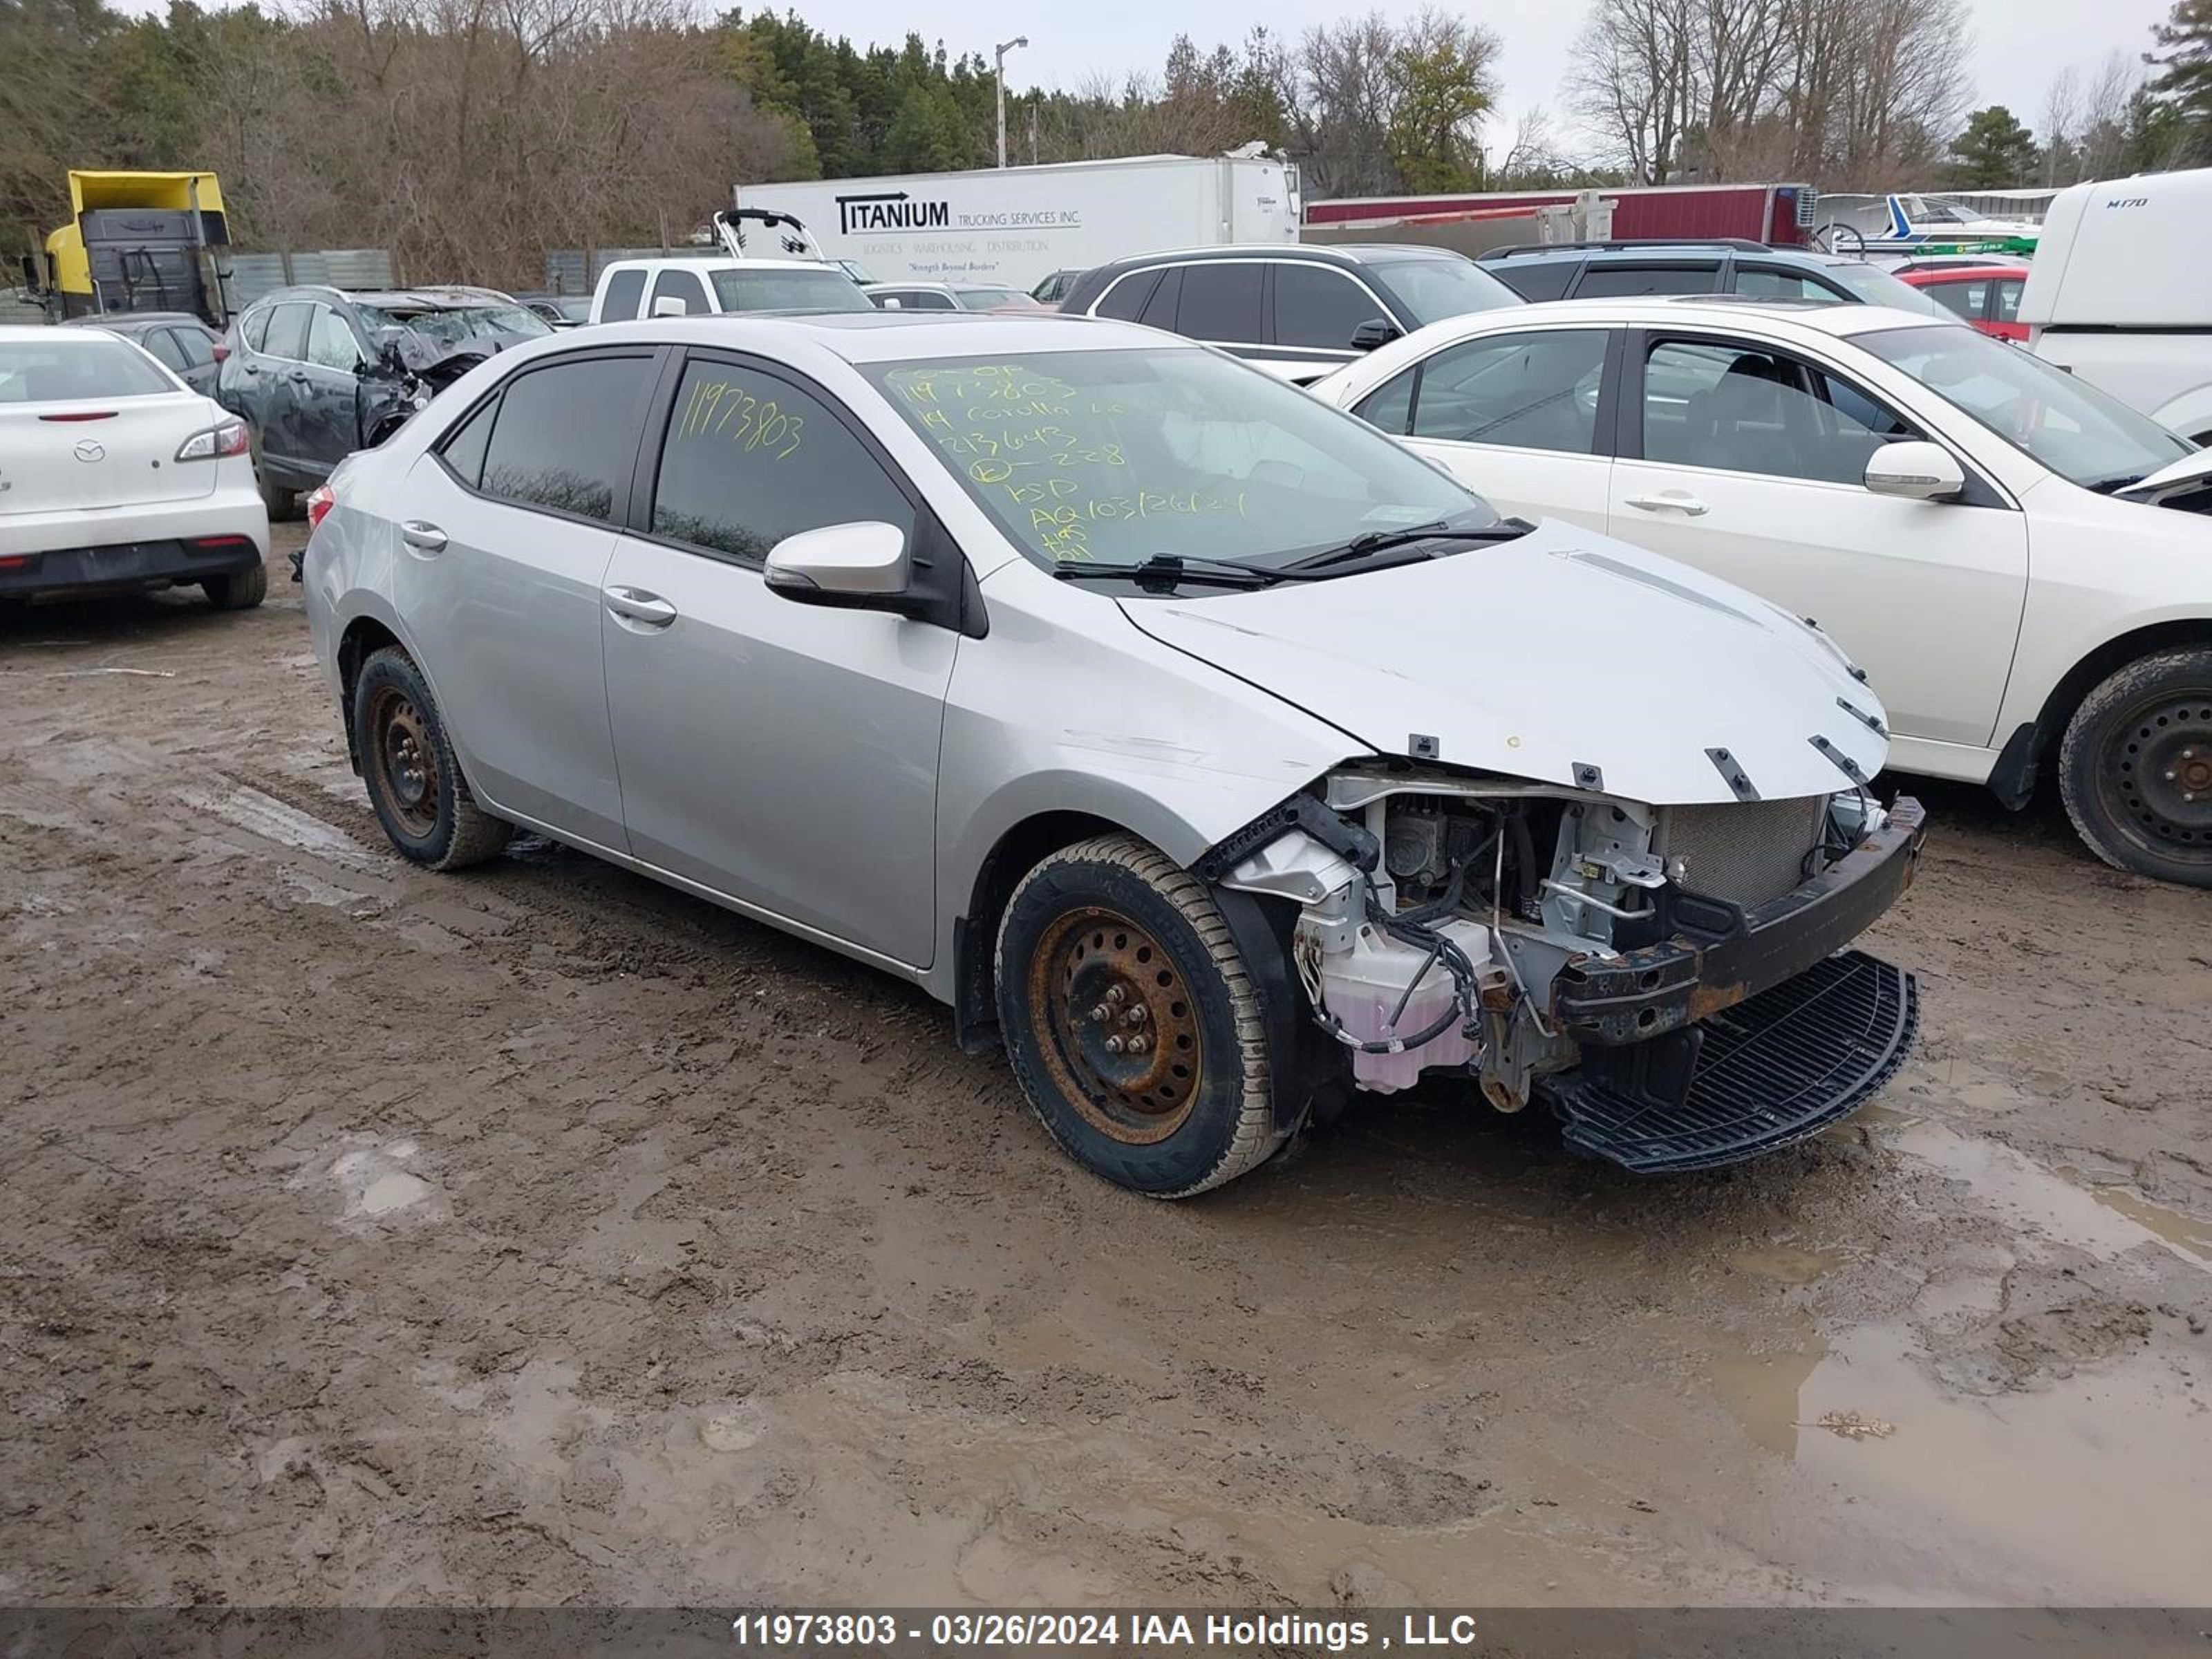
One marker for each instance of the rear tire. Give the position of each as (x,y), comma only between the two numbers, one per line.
(1110,942)
(2135,768)
(415,783)
(241,590)
(278,501)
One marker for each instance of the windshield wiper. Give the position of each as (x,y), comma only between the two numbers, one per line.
(1381,541)
(1170,568)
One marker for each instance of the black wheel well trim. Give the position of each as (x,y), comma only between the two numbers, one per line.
(363,638)
(976,930)
(2013,777)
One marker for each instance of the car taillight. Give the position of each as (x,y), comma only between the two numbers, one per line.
(217,441)
(320,500)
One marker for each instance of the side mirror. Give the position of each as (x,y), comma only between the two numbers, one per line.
(1915,471)
(888,303)
(668,306)
(1376,331)
(859,566)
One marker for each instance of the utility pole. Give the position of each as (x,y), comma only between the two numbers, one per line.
(999,72)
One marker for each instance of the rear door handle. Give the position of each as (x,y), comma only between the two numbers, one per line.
(636,605)
(1673,501)
(422,536)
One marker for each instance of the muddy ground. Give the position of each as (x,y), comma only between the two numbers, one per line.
(538,1235)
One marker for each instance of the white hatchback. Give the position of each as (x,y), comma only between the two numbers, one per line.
(1986,534)
(114,476)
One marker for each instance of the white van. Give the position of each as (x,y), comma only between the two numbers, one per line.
(675,286)
(2117,293)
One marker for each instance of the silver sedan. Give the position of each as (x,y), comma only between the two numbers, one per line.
(1213,754)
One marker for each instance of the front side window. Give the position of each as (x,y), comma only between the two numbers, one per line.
(193,346)
(1959,298)
(331,342)
(2068,425)
(565,433)
(750,459)
(1117,456)
(685,288)
(1221,302)
(162,343)
(624,290)
(2004,299)
(1741,408)
(1319,308)
(1390,405)
(1534,390)
(1125,299)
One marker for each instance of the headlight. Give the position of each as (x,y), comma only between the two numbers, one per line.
(217,441)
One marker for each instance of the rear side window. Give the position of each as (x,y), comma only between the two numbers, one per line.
(464,450)
(1221,302)
(1125,300)
(624,290)
(2004,300)
(287,331)
(749,459)
(1612,282)
(566,434)
(1535,280)
(684,286)
(1961,299)
(1320,308)
(193,346)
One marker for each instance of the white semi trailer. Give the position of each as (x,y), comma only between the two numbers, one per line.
(1015,226)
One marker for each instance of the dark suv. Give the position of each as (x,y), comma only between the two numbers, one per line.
(319,373)
(1296,310)
(1605,271)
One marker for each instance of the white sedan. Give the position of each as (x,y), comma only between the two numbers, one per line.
(115,475)
(1988,536)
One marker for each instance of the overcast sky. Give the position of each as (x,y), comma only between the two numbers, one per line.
(2019,44)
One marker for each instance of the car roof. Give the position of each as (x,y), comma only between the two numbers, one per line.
(123,319)
(31,333)
(874,337)
(1685,250)
(716,263)
(1328,254)
(1664,310)
(1934,274)
(447,296)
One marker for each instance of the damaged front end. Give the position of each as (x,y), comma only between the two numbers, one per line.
(1671,981)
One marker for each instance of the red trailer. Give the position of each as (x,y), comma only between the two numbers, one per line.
(1779,213)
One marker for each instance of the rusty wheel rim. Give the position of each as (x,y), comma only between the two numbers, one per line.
(406,760)
(1117,1024)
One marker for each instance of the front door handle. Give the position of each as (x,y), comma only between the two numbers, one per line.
(636,605)
(422,536)
(1673,501)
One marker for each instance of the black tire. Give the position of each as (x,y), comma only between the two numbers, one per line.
(241,590)
(279,503)
(2135,768)
(415,783)
(1114,924)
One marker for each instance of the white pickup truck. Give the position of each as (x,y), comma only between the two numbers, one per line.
(2118,294)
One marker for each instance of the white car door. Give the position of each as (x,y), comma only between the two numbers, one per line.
(1513,416)
(1746,461)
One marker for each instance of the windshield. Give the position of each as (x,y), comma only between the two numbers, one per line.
(1879,287)
(1121,456)
(76,367)
(2070,427)
(1931,210)
(818,288)
(991,299)
(1433,289)
(460,325)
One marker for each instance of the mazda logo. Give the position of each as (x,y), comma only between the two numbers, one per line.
(91,449)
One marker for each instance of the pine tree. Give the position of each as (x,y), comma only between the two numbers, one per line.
(1994,152)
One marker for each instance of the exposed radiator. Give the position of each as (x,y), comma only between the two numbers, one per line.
(1745,852)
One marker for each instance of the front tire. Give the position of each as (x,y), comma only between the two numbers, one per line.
(2135,768)
(415,783)
(1132,1022)
(239,590)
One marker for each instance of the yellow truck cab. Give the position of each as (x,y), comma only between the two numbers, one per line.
(138,241)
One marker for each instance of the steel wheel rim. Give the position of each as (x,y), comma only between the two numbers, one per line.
(406,760)
(1117,1024)
(2158,771)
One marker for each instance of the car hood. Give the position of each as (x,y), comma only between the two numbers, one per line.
(1547,656)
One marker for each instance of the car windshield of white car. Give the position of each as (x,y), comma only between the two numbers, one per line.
(74,368)
(1117,456)
(2073,428)
(820,289)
